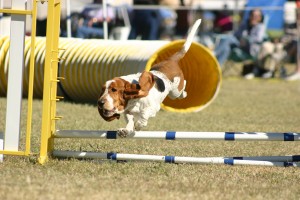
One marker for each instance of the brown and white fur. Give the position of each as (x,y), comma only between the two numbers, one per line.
(140,95)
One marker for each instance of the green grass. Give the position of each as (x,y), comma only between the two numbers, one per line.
(256,105)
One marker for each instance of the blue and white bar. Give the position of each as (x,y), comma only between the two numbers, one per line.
(173,135)
(292,158)
(285,161)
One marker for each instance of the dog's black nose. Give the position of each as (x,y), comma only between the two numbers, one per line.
(100,102)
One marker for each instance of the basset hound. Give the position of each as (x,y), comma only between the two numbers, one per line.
(140,95)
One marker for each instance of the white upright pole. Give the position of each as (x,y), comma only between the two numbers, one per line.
(15,78)
(105,25)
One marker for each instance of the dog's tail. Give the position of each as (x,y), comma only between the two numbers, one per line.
(180,54)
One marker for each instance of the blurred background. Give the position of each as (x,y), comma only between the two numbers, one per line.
(169,20)
(173,14)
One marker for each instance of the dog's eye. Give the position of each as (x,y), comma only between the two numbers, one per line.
(113,89)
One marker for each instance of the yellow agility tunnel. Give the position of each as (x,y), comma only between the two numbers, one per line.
(86,64)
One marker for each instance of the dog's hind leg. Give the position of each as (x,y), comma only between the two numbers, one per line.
(183,93)
(174,92)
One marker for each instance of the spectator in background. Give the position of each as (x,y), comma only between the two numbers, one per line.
(270,56)
(41,21)
(292,46)
(91,26)
(292,56)
(168,19)
(223,21)
(145,22)
(246,41)
(206,34)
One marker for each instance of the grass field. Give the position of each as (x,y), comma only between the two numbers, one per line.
(256,105)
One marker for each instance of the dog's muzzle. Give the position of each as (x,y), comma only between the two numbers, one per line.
(105,112)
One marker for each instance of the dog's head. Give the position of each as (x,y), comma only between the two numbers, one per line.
(117,92)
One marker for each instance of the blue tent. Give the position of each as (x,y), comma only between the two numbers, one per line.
(275,18)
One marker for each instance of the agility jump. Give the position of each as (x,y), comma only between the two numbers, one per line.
(50,133)
(214,83)
(280,161)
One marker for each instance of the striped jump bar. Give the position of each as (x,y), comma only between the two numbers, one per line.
(280,161)
(172,135)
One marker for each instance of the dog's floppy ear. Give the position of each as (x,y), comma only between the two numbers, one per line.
(146,82)
(108,119)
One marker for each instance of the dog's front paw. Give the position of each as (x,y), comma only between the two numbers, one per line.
(139,125)
(123,132)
